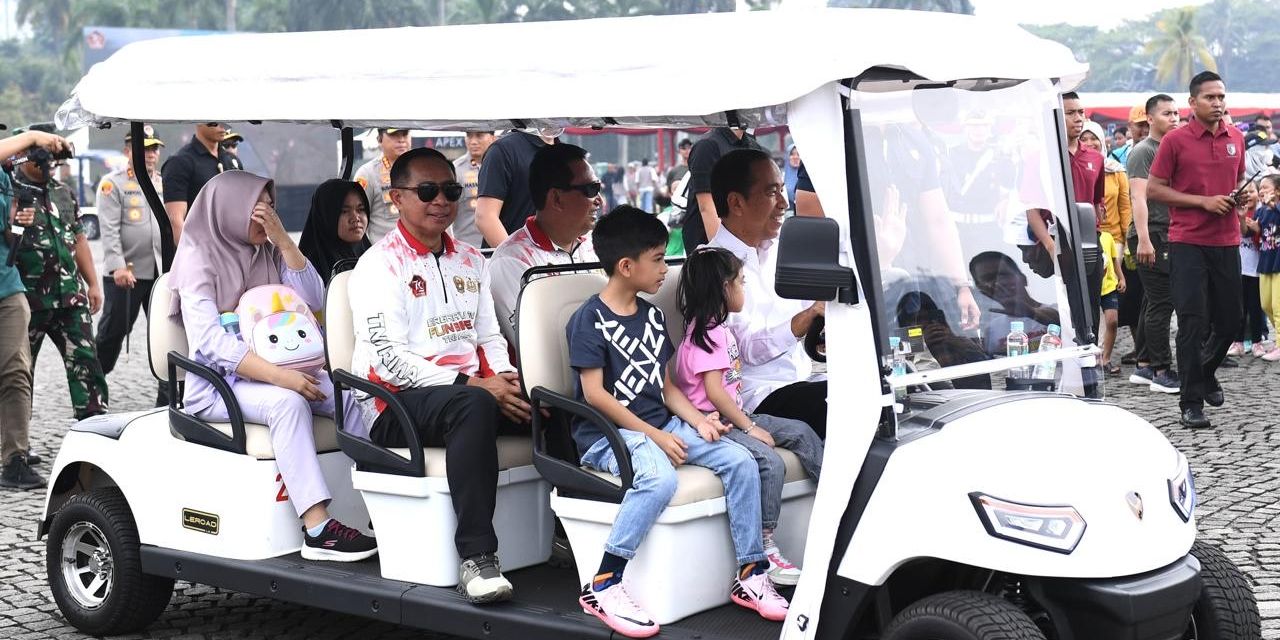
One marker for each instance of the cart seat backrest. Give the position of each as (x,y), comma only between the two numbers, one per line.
(165,333)
(545,307)
(340,333)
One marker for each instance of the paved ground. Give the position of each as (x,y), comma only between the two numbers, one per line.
(1237,469)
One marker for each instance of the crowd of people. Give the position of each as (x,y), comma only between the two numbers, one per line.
(435,318)
(1186,222)
(1179,229)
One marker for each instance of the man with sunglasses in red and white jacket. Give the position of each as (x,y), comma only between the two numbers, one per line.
(566,197)
(426,330)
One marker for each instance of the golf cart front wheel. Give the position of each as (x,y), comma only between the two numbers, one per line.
(1226,609)
(962,615)
(94,568)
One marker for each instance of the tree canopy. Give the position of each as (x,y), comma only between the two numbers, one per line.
(1158,52)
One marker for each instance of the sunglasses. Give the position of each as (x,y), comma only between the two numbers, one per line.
(428,191)
(590,189)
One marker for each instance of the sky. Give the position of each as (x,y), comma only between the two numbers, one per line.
(1099,13)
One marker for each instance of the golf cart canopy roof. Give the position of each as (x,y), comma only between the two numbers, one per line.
(532,74)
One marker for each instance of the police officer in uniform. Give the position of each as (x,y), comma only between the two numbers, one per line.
(375,177)
(130,244)
(231,144)
(54,259)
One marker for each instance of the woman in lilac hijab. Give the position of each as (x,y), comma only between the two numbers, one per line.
(232,241)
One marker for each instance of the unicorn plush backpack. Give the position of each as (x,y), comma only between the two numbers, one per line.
(278,326)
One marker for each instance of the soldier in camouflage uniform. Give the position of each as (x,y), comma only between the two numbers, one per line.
(54,261)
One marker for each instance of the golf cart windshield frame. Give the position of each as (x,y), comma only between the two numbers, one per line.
(876,258)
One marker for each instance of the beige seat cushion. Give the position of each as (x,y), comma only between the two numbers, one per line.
(696,484)
(257,437)
(513,451)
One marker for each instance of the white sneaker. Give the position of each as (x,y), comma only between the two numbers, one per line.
(480,580)
(1272,355)
(1259,349)
(781,571)
(757,593)
(618,611)
(1236,349)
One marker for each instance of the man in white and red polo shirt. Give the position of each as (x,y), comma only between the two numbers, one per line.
(426,330)
(1195,172)
(566,198)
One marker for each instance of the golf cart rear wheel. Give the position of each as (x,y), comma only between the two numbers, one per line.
(94,569)
(1226,609)
(962,615)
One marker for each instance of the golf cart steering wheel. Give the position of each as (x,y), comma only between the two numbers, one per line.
(815,341)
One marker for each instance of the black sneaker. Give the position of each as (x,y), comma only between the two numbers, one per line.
(338,543)
(17,474)
(480,580)
(1193,418)
(1166,382)
(1129,358)
(34,459)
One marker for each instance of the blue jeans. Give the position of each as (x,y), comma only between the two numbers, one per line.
(788,434)
(654,483)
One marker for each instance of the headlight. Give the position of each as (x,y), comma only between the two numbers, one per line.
(1182,489)
(1052,528)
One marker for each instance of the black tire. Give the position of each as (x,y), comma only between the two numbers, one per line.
(129,600)
(1226,609)
(962,615)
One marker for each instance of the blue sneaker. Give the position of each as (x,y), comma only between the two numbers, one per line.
(1166,382)
(1142,375)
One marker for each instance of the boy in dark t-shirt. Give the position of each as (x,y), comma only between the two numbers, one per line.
(619,346)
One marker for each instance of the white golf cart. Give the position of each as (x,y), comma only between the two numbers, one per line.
(1036,511)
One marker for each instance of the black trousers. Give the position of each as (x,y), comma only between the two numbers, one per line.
(1253,324)
(466,422)
(804,401)
(1131,301)
(119,311)
(1152,336)
(1205,287)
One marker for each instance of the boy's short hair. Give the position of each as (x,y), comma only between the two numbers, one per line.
(626,232)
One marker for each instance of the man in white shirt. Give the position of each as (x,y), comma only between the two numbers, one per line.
(426,331)
(566,198)
(751,201)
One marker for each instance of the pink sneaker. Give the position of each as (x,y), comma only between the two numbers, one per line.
(1237,349)
(1259,350)
(618,611)
(757,593)
(1272,355)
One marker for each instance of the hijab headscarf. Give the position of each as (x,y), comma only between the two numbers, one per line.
(214,258)
(320,242)
(1109,164)
(790,175)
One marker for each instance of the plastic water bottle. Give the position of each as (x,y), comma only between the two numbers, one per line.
(230,323)
(1051,341)
(898,368)
(1017,344)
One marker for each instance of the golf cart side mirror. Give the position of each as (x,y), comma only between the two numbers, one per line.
(809,262)
(1088,219)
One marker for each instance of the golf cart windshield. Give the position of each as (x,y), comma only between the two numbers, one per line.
(952,176)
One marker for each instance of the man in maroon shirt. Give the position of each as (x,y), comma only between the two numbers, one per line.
(1088,182)
(1195,172)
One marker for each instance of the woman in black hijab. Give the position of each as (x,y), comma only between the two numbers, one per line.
(335,228)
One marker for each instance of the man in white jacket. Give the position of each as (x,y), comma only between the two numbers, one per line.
(426,330)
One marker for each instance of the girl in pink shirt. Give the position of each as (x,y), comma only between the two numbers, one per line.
(708,371)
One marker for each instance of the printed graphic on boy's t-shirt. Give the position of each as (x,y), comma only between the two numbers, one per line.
(643,366)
